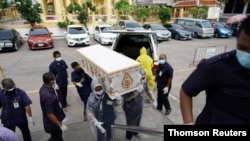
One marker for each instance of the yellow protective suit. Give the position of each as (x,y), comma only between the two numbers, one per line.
(147,65)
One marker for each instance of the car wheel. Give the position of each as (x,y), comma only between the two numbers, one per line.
(177,37)
(216,35)
(195,35)
(15,47)
(100,40)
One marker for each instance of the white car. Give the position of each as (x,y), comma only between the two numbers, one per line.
(103,36)
(77,35)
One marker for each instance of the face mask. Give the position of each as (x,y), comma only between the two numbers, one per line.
(58,59)
(99,92)
(243,58)
(10,90)
(161,61)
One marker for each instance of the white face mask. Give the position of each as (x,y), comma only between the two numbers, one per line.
(58,59)
(99,92)
(9,90)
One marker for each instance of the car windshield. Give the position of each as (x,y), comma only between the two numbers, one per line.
(177,26)
(206,24)
(76,30)
(42,31)
(4,34)
(157,27)
(105,29)
(133,25)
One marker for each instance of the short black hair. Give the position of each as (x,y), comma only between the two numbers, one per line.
(74,64)
(244,26)
(47,77)
(7,83)
(55,53)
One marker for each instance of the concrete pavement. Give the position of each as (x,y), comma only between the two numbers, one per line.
(80,130)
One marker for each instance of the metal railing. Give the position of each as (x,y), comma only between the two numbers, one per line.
(144,130)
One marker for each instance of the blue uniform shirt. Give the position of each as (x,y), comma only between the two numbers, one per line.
(163,72)
(13,111)
(81,76)
(59,69)
(227,87)
(50,105)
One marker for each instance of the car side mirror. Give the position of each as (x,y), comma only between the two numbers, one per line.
(51,32)
(26,34)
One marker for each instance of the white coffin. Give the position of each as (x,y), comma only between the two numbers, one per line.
(122,73)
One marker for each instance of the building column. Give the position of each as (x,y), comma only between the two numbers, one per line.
(58,7)
(108,10)
(43,17)
(181,12)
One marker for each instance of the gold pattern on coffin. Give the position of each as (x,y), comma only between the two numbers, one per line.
(127,80)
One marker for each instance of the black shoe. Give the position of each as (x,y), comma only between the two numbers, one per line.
(168,111)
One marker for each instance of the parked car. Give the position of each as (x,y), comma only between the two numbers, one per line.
(222,30)
(39,37)
(77,35)
(127,25)
(162,34)
(178,32)
(200,27)
(10,40)
(103,36)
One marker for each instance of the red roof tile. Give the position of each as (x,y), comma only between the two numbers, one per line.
(192,3)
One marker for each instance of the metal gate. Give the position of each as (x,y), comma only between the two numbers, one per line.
(207,52)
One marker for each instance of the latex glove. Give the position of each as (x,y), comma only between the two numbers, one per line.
(140,89)
(154,103)
(79,84)
(65,120)
(64,127)
(118,97)
(165,90)
(99,125)
(56,86)
(32,122)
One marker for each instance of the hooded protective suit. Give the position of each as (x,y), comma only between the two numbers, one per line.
(100,107)
(147,65)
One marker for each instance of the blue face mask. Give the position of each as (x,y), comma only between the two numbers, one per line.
(161,62)
(243,58)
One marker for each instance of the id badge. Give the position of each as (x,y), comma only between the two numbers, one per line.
(160,73)
(16,104)
(109,102)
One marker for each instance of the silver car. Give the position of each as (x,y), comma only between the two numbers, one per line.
(162,34)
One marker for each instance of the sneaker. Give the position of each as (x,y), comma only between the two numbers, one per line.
(138,136)
(168,111)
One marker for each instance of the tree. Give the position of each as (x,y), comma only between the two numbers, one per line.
(122,7)
(199,12)
(3,4)
(81,11)
(30,12)
(164,14)
(142,13)
(65,23)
